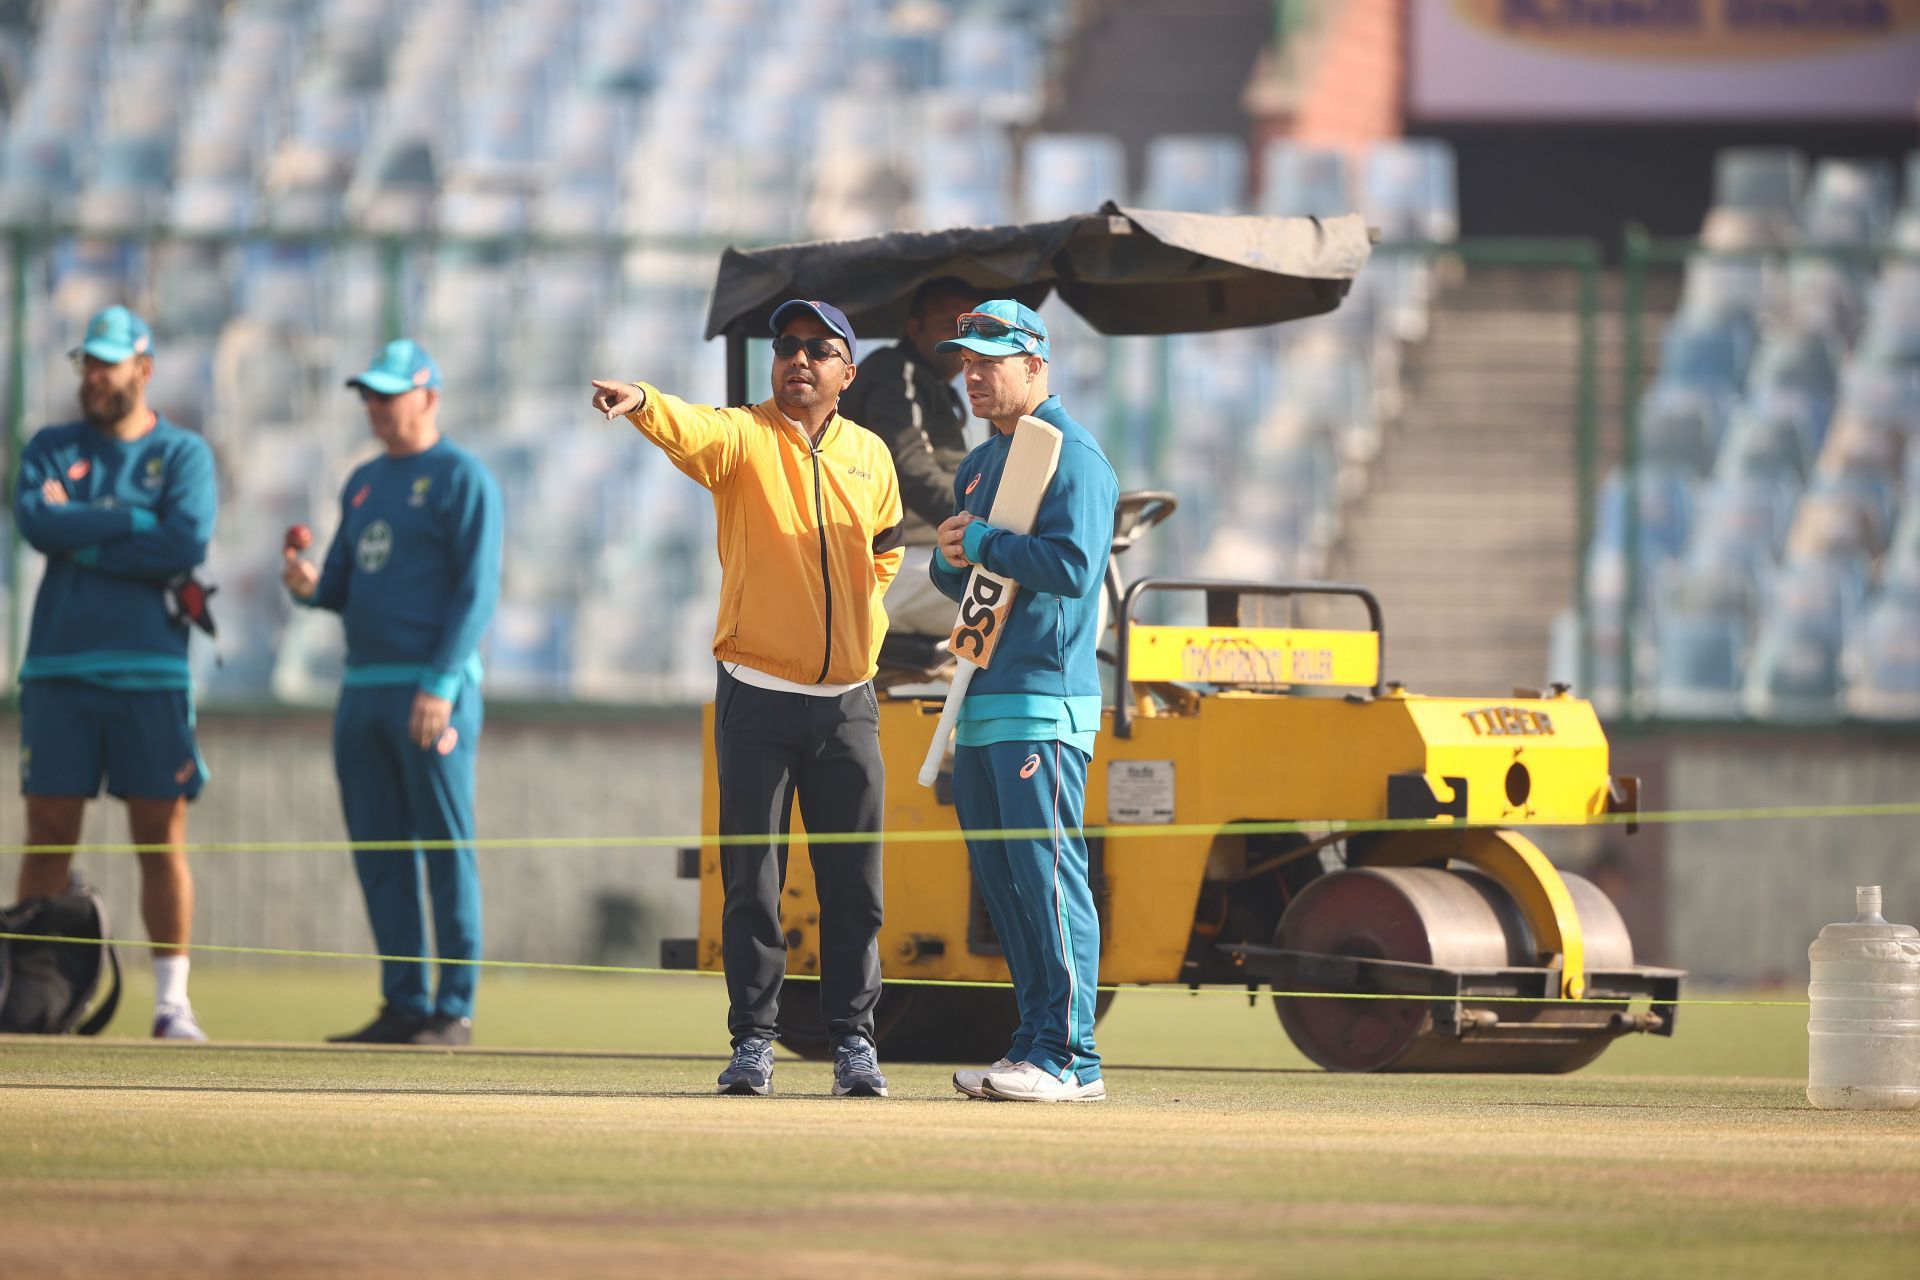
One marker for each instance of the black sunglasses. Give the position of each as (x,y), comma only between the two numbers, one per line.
(786,346)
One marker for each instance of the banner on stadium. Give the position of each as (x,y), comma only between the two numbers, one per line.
(1675,60)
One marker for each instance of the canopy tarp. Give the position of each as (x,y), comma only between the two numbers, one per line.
(1124,270)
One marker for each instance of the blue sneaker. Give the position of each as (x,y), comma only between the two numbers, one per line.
(750,1074)
(856,1070)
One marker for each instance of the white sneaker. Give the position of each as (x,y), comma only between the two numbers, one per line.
(176,1022)
(972,1083)
(1024,1082)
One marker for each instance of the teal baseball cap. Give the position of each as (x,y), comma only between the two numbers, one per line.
(1001,327)
(402,365)
(114,335)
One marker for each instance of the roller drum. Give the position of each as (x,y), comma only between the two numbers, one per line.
(1451,919)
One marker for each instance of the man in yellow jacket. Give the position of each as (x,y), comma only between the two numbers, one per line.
(809,531)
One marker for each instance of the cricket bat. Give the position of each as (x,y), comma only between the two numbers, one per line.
(988,599)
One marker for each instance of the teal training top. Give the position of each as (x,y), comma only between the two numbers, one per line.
(138,514)
(1044,683)
(414,569)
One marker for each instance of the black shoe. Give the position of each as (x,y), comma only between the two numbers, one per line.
(444,1029)
(390,1027)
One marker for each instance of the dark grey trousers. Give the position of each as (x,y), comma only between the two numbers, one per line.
(768,745)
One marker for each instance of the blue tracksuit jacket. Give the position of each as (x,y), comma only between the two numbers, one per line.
(138,514)
(414,569)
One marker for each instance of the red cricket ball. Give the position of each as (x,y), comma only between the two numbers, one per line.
(299,537)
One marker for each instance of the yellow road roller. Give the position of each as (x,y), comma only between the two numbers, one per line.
(1264,810)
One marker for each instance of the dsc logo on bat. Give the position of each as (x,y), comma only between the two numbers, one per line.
(983,612)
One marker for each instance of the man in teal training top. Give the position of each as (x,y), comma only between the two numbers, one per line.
(413,571)
(1027,727)
(122,504)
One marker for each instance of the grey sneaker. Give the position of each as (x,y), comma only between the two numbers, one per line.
(750,1074)
(856,1070)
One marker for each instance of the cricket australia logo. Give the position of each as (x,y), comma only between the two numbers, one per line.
(156,472)
(418,498)
(375,547)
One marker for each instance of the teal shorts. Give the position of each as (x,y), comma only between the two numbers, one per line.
(74,735)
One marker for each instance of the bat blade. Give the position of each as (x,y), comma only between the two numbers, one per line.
(988,600)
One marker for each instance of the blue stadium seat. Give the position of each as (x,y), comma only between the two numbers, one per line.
(131,177)
(1838,520)
(1763,180)
(1067,173)
(1302,181)
(1409,190)
(965,180)
(1799,366)
(1195,172)
(1849,203)
(1886,679)
(1771,442)
(1708,352)
(1680,427)
(1795,676)
(1744,519)
(1826,297)
(1665,513)
(37,182)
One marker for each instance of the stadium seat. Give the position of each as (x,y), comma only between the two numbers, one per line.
(965,180)
(995,64)
(1067,173)
(37,182)
(1762,180)
(1408,189)
(1826,297)
(1795,676)
(1708,352)
(1303,181)
(1885,682)
(1849,203)
(1837,519)
(1757,194)
(1699,657)
(1744,519)
(394,187)
(131,177)
(1195,172)
(1680,427)
(1665,513)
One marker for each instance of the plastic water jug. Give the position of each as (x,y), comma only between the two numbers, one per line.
(1863,1030)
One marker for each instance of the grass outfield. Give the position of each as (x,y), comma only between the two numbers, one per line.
(1218,1155)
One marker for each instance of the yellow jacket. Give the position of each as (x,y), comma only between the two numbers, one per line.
(809,538)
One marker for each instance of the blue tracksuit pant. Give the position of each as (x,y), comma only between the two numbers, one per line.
(392,789)
(1036,892)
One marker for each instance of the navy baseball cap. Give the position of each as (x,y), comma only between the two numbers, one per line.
(829,315)
(114,335)
(1001,327)
(402,365)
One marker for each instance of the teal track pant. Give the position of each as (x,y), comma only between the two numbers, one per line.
(393,790)
(1036,891)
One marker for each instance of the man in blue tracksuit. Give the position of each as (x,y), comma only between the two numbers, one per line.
(414,571)
(1027,727)
(122,504)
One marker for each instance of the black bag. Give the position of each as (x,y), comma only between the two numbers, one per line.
(45,987)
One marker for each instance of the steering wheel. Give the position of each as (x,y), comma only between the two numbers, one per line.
(1138,511)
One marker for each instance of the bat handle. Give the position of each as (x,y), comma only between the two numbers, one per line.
(949,714)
